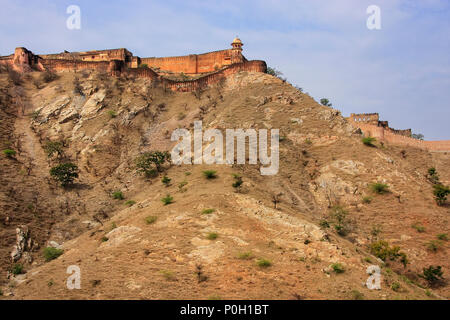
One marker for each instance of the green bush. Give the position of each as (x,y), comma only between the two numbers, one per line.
(245,255)
(367,200)
(166,181)
(150,163)
(395,286)
(432,274)
(210,174)
(9,153)
(382,250)
(65,173)
(151,219)
(212,236)
(420,228)
(339,216)
(379,188)
(433,245)
(130,203)
(208,211)
(368,141)
(17,269)
(356,295)
(442,236)
(51,253)
(337,267)
(433,175)
(325,102)
(440,193)
(167,200)
(237,184)
(112,114)
(264,263)
(118,195)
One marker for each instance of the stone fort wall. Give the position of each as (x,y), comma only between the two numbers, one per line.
(371,126)
(196,63)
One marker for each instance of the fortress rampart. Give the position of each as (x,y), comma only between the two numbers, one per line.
(370,125)
(209,67)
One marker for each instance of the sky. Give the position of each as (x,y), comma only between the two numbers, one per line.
(401,71)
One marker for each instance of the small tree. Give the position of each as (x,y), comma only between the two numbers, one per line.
(433,176)
(339,215)
(274,72)
(325,102)
(52,147)
(432,274)
(149,161)
(237,184)
(418,136)
(440,193)
(65,173)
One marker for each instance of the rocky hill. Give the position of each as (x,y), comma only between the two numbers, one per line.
(309,232)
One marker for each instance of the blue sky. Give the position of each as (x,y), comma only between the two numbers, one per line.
(401,71)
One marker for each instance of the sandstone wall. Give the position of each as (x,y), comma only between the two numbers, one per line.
(74,65)
(196,63)
(389,136)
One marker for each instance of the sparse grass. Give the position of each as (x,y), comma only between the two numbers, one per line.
(433,245)
(263,263)
(187,173)
(324,224)
(337,267)
(113,226)
(104,239)
(245,255)
(51,253)
(368,260)
(442,237)
(168,275)
(395,286)
(214,297)
(368,141)
(419,228)
(150,219)
(130,203)
(210,174)
(112,114)
(367,200)
(118,195)
(9,153)
(167,200)
(356,295)
(379,188)
(208,211)
(181,186)
(212,236)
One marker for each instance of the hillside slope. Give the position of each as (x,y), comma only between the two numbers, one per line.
(105,123)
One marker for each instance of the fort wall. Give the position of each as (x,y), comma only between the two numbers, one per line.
(196,63)
(386,135)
